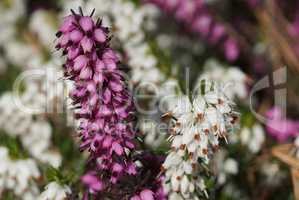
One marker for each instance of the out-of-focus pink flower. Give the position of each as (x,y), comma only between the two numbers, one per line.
(195,15)
(253,3)
(280,127)
(231,49)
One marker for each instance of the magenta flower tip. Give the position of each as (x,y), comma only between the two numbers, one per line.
(147,195)
(86,23)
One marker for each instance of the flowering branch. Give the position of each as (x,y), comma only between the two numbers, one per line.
(196,127)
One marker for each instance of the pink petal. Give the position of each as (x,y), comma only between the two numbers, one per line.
(91,87)
(72,53)
(147,195)
(98,77)
(93,100)
(105,111)
(100,65)
(130,145)
(117,168)
(110,54)
(68,24)
(80,62)
(110,64)
(107,142)
(115,86)
(64,39)
(131,169)
(99,35)
(113,179)
(86,44)
(76,36)
(85,73)
(117,148)
(136,197)
(107,96)
(86,23)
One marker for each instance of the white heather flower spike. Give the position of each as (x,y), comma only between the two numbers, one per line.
(197,125)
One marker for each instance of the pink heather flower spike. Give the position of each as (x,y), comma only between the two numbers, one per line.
(104,108)
(104,104)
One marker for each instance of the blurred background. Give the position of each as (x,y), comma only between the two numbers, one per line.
(251,44)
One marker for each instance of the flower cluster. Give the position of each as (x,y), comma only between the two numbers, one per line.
(34,132)
(196,16)
(18,176)
(101,99)
(25,110)
(196,127)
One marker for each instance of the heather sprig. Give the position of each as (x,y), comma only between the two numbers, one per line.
(197,125)
(102,103)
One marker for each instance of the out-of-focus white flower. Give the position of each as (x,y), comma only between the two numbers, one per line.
(224,167)
(233,191)
(232,79)
(10,12)
(154,133)
(253,137)
(130,22)
(7,32)
(54,191)
(197,125)
(162,99)
(18,118)
(273,174)
(18,176)
(167,94)
(19,53)
(46,20)
(231,166)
